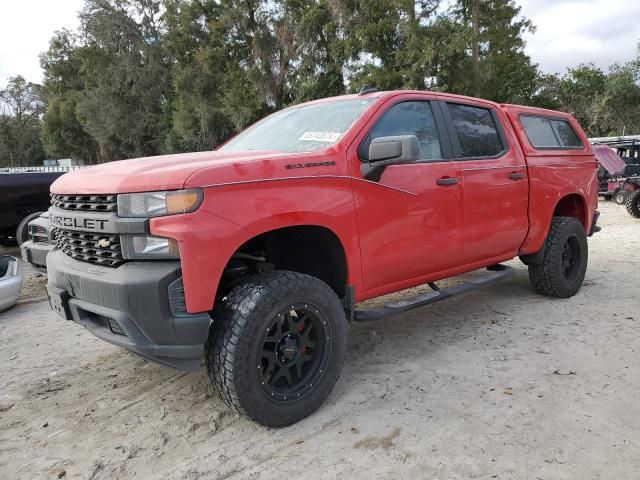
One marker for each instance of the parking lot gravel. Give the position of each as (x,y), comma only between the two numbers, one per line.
(498,383)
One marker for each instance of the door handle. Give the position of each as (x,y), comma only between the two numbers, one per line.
(446,181)
(516,176)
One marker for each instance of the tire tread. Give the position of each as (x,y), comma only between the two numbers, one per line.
(545,277)
(633,204)
(232,328)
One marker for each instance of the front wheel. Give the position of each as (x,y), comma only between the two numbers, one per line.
(564,264)
(620,197)
(276,347)
(633,203)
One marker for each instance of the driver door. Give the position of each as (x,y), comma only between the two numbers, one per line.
(410,219)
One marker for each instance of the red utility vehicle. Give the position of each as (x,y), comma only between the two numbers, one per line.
(252,257)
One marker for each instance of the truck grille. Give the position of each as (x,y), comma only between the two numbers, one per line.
(38,234)
(85,203)
(85,247)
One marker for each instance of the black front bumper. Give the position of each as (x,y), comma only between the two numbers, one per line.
(138,306)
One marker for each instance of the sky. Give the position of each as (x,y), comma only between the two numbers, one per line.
(569,32)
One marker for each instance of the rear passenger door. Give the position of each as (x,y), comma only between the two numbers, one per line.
(494,181)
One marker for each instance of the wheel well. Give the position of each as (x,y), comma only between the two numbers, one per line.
(572,206)
(308,249)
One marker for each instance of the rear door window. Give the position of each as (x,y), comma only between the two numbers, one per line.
(551,133)
(477,131)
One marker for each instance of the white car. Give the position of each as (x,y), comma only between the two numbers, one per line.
(10,281)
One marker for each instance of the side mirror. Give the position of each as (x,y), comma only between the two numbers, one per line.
(385,151)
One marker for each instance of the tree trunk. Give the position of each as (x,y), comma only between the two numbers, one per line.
(475,48)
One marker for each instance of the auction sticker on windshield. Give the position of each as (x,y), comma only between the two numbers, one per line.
(329,137)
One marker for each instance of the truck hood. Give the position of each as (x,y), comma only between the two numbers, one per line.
(609,160)
(171,172)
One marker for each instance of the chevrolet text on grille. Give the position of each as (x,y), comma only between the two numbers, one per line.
(85,223)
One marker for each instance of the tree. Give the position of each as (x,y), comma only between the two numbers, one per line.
(604,104)
(20,108)
(200,74)
(124,104)
(238,60)
(143,77)
(390,43)
(62,133)
(493,31)
(622,95)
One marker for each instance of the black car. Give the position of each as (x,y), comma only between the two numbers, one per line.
(23,196)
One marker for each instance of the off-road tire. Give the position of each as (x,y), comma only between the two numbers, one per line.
(233,349)
(620,197)
(633,203)
(549,277)
(22,232)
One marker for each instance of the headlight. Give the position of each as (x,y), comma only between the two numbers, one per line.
(148,247)
(159,204)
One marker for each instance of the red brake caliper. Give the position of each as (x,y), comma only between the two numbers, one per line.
(300,330)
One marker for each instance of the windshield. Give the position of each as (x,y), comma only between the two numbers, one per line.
(300,129)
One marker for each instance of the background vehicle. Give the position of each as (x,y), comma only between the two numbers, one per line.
(41,240)
(256,254)
(23,196)
(610,174)
(632,188)
(10,281)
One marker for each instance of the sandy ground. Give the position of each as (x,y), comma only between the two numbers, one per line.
(499,383)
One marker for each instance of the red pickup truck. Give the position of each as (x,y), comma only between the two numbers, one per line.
(253,257)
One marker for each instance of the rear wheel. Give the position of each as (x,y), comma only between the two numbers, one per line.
(276,347)
(564,264)
(633,203)
(620,197)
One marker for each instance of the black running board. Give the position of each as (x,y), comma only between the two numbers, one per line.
(495,274)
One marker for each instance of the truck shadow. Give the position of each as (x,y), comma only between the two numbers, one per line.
(418,334)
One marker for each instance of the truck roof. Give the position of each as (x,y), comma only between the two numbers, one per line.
(384,94)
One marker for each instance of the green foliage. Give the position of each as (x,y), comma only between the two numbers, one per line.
(604,104)
(144,77)
(391,44)
(504,73)
(126,77)
(63,134)
(20,107)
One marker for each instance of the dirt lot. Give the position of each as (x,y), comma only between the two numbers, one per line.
(501,383)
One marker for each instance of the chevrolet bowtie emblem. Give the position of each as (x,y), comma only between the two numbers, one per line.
(104,243)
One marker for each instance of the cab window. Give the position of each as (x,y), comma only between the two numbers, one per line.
(407,118)
(550,133)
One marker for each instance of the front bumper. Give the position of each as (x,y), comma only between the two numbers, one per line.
(138,306)
(35,253)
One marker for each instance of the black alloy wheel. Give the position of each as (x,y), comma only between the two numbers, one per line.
(294,351)
(562,269)
(276,346)
(571,257)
